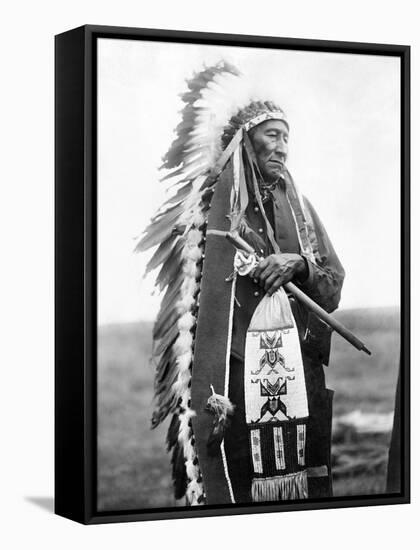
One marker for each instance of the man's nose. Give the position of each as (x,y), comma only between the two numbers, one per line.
(281,146)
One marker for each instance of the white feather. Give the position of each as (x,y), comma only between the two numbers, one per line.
(185,304)
(186,322)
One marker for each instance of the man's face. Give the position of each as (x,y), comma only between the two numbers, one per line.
(270,141)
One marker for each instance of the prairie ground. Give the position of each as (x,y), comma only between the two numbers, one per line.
(133,466)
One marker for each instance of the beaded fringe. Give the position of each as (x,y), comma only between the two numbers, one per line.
(287,487)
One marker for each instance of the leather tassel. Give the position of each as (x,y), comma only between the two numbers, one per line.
(221,407)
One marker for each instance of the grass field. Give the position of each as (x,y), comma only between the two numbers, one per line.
(133,466)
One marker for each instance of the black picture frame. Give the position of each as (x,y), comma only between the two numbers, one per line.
(76,271)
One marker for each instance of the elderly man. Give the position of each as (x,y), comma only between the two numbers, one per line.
(239,361)
(320,281)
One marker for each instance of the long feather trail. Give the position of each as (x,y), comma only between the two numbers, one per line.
(177,229)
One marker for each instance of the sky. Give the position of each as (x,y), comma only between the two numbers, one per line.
(344,154)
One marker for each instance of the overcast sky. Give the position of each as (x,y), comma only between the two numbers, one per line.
(344,147)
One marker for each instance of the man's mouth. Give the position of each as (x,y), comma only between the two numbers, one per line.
(277,162)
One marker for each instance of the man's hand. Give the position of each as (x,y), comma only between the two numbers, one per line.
(278,269)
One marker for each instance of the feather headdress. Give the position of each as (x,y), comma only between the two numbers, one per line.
(216,110)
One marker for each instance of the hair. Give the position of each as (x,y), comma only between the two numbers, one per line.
(254,109)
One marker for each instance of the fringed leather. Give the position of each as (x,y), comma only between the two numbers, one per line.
(287,487)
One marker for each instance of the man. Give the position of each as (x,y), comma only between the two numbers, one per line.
(270,143)
(228,340)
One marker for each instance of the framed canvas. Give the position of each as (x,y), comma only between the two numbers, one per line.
(232,274)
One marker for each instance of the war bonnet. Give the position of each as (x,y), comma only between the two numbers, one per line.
(218,110)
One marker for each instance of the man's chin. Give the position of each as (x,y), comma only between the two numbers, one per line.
(271,176)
